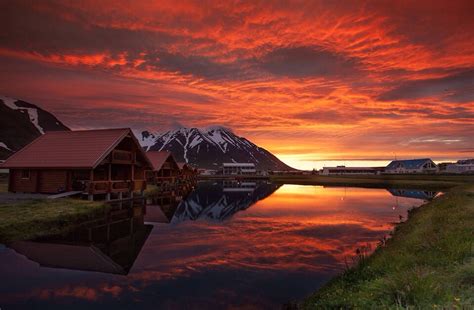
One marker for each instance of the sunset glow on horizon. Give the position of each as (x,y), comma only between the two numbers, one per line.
(316,82)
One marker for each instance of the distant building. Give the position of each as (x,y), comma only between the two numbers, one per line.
(423,165)
(343,170)
(466,161)
(165,170)
(461,167)
(238,168)
(442,167)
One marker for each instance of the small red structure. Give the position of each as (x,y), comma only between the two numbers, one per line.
(109,161)
(165,170)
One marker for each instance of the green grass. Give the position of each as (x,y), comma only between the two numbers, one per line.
(37,218)
(383,181)
(151,190)
(428,263)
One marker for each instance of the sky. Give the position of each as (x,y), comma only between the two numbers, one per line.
(311,81)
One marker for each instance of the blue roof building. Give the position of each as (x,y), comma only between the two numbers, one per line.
(423,165)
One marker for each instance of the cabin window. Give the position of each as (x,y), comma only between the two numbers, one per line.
(25,174)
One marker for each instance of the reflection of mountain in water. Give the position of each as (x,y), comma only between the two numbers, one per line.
(219,201)
(109,245)
(410,193)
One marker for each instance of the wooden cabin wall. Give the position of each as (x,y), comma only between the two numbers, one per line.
(52,181)
(17,184)
(139,173)
(40,181)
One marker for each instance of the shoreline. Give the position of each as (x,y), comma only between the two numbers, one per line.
(438,182)
(428,262)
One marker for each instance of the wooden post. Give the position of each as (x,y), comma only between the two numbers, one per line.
(38,179)
(91,185)
(10,179)
(109,179)
(132,186)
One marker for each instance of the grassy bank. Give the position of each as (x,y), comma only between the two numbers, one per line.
(429,263)
(37,218)
(382,181)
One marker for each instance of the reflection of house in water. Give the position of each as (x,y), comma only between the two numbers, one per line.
(410,193)
(234,186)
(109,245)
(161,209)
(221,200)
(161,206)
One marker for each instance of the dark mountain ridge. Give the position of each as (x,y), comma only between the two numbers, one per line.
(22,122)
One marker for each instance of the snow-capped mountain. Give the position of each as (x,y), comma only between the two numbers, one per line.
(210,147)
(22,122)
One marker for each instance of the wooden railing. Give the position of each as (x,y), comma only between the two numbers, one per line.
(102,187)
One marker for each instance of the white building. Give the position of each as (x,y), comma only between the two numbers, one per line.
(238,168)
(343,170)
(423,165)
(460,168)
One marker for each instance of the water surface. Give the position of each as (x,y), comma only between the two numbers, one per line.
(224,245)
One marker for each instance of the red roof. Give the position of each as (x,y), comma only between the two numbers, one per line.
(183,165)
(69,149)
(158,158)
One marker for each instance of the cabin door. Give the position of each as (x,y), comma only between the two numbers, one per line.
(52,181)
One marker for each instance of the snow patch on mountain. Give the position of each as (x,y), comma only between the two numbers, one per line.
(32,112)
(147,139)
(3,145)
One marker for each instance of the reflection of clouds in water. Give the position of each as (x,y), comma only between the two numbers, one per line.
(281,248)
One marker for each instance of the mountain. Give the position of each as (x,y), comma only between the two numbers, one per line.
(22,122)
(210,147)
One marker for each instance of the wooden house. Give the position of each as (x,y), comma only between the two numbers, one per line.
(423,165)
(187,173)
(165,170)
(104,163)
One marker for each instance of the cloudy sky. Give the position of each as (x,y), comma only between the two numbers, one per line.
(308,80)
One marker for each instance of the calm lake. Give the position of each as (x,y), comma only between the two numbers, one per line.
(224,245)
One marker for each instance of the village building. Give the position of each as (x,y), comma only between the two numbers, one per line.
(98,163)
(165,170)
(442,167)
(343,170)
(461,167)
(238,169)
(423,165)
